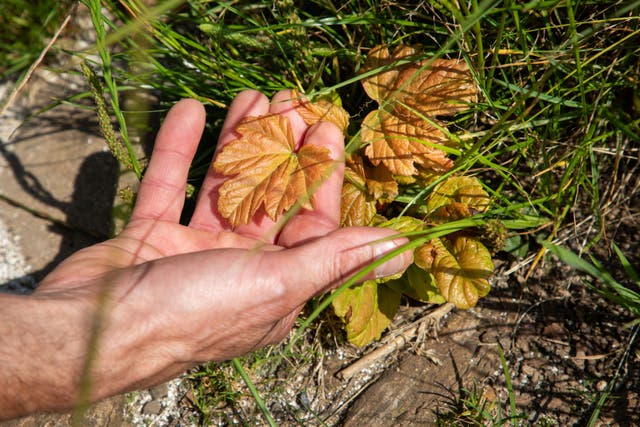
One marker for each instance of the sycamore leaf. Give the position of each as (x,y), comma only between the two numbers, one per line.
(367,309)
(265,171)
(450,212)
(399,144)
(380,184)
(460,268)
(431,87)
(320,110)
(357,207)
(457,197)
(419,285)
(363,187)
(381,85)
(403,224)
(436,87)
(403,132)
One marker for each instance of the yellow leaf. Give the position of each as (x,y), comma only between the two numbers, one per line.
(367,309)
(320,110)
(400,144)
(403,224)
(265,171)
(460,268)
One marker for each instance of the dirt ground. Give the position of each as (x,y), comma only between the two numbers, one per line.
(563,346)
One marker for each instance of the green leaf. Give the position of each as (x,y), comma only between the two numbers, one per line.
(516,245)
(418,285)
(403,224)
(460,267)
(628,268)
(457,197)
(367,309)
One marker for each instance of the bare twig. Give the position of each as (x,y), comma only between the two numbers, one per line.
(395,344)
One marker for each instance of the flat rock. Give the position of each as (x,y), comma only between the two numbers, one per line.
(415,390)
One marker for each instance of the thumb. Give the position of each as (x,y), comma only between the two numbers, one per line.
(329,261)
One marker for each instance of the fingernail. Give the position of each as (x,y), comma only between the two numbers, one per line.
(395,265)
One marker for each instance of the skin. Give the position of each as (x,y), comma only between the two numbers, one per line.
(162,297)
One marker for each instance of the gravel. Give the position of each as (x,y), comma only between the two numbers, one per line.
(13,267)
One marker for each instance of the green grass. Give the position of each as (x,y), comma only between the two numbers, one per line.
(25,28)
(553,136)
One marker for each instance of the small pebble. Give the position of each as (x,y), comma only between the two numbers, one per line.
(153,407)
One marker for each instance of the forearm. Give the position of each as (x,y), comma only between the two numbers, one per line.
(58,349)
(41,354)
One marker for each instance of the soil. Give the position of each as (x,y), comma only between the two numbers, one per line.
(564,347)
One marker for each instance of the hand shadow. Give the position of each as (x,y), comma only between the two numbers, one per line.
(88,217)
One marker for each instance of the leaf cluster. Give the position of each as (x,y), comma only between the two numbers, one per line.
(403,143)
(403,148)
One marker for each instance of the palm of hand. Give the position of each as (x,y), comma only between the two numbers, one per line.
(221,292)
(154,231)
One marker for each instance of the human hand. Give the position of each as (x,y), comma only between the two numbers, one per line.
(173,295)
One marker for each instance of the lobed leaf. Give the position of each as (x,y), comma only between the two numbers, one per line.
(457,197)
(435,87)
(380,184)
(265,171)
(399,144)
(363,187)
(432,87)
(460,268)
(357,207)
(320,110)
(419,285)
(403,132)
(367,309)
(381,85)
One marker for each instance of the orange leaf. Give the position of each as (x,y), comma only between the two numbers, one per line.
(320,110)
(431,87)
(356,206)
(400,143)
(265,170)
(381,85)
(438,87)
(380,183)
(402,133)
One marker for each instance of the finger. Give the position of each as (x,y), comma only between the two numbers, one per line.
(325,217)
(206,216)
(162,191)
(329,261)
